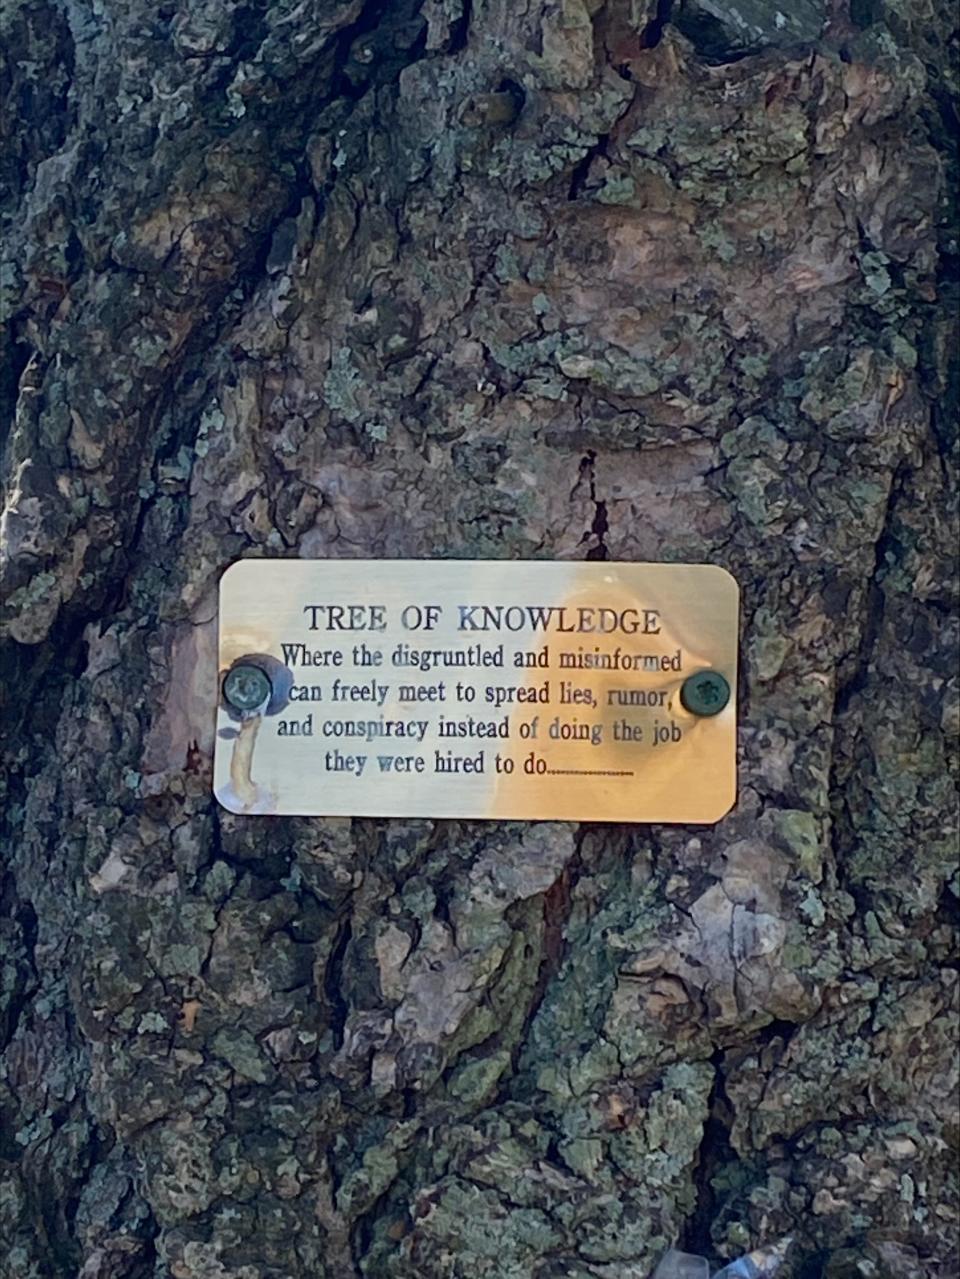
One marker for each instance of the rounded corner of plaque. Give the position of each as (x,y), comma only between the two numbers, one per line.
(223,798)
(726,806)
(727,576)
(231,569)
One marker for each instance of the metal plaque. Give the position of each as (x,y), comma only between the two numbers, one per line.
(450,688)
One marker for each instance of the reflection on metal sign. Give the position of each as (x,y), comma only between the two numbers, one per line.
(450,688)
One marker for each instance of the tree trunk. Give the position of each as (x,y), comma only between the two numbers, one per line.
(559,280)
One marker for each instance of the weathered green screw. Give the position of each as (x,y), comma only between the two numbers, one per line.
(705,693)
(246,687)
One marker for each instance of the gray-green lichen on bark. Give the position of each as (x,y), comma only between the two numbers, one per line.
(545,280)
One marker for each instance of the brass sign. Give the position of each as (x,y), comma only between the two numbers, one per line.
(450,688)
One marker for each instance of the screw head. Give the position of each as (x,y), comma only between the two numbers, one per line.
(705,693)
(247,688)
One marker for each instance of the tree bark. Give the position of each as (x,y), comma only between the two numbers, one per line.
(554,280)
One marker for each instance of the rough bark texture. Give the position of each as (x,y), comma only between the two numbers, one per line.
(536,278)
